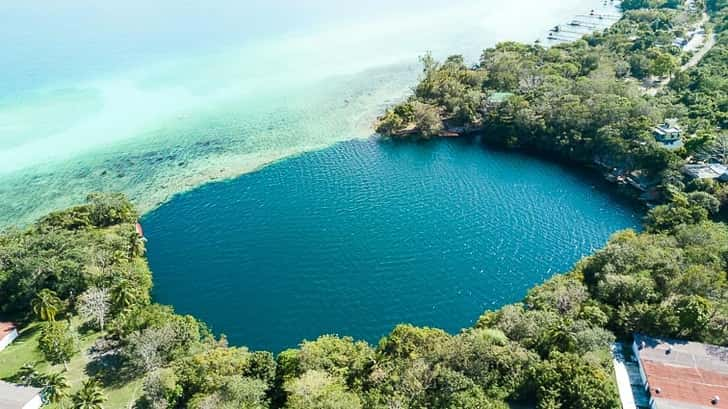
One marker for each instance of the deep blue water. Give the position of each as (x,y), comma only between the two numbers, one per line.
(364,235)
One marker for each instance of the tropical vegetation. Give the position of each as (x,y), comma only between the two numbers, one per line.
(78,281)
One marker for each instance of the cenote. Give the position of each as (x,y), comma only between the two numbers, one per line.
(359,237)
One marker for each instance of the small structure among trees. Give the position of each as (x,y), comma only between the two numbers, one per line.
(668,134)
(714,171)
(680,374)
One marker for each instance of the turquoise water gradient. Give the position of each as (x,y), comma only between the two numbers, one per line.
(156,97)
(364,235)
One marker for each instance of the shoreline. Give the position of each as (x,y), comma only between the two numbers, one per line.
(550,348)
(27,188)
(228,213)
(593,176)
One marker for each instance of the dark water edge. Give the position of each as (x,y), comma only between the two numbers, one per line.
(367,234)
(586,171)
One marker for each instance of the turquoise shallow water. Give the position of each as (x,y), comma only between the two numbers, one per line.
(363,235)
(154,98)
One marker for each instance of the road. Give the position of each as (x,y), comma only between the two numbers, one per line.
(706,46)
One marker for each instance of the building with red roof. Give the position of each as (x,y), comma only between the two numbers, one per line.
(681,374)
(8,333)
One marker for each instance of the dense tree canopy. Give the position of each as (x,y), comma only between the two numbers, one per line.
(580,101)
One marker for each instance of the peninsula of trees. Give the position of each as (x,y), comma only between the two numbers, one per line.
(597,101)
(78,282)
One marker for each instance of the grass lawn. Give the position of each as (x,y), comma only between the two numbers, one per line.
(24,350)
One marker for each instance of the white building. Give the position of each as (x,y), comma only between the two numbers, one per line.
(8,333)
(668,134)
(706,171)
(19,397)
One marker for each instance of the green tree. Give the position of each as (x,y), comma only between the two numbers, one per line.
(90,396)
(108,209)
(161,390)
(704,200)
(663,64)
(208,371)
(319,390)
(136,244)
(340,357)
(559,337)
(694,313)
(124,295)
(567,381)
(55,387)
(237,393)
(27,375)
(487,357)
(452,389)
(427,119)
(408,341)
(46,305)
(57,342)
(639,65)
(678,212)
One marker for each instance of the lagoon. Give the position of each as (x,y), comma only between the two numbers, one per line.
(155,98)
(361,236)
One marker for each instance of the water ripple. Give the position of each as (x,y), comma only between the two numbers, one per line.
(364,235)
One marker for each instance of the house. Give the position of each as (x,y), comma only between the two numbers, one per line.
(682,375)
(680,42)
(19,397)
(499,97)
(668,134)
(495,99)
(706,171)
(8,333)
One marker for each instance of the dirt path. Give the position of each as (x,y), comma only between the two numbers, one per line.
(698,56)
(708,43)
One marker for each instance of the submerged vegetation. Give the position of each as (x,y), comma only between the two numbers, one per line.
(93,337)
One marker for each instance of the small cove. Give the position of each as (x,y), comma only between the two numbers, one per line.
(356,238)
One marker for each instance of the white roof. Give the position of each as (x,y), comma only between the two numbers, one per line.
(663,129)
(706,170)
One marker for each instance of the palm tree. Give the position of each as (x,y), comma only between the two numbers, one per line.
(27,375)
(46,305)
(123,295)
(90,396)
(136,245)
(561,337)
(55,387)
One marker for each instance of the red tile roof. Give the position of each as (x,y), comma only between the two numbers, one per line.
(6,328)
(683,384)
(683,374)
